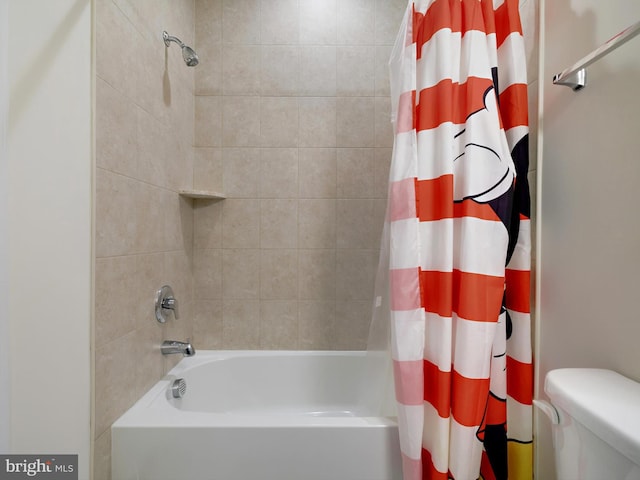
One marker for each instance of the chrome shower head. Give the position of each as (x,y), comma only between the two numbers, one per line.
(188,54)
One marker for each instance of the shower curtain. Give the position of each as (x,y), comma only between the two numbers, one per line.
(459,242)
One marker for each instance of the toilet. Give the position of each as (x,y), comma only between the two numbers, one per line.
(595,416)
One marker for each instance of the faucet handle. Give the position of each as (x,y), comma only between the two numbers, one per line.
(170,303)
(165,301)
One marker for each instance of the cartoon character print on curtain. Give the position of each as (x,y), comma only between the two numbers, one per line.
(459,241)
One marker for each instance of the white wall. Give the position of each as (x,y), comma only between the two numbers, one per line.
(589,244)
(49,226)
(5,391)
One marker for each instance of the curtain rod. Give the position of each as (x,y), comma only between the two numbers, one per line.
(576,75)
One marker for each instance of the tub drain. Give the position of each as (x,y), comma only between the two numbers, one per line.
(179,388)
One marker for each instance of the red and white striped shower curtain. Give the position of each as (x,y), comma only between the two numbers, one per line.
(459,241)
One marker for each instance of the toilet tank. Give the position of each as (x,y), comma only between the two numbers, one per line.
(598,434)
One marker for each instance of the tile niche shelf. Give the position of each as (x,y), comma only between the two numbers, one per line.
(201,194)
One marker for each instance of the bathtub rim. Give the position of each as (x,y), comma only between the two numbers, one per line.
(153,411)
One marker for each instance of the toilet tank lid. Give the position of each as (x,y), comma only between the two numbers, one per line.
(604,401)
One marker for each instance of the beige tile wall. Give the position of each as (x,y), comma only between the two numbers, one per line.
(144,230)
(292,122)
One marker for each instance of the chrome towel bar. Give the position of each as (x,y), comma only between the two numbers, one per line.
(576,75)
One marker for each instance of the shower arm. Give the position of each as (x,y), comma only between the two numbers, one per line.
(168,38)
(189,55)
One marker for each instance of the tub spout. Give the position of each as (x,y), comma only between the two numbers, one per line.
(170,347)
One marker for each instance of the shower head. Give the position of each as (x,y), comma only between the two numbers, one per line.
(188,54)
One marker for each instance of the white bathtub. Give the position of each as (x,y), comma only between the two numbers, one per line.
(258,415)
